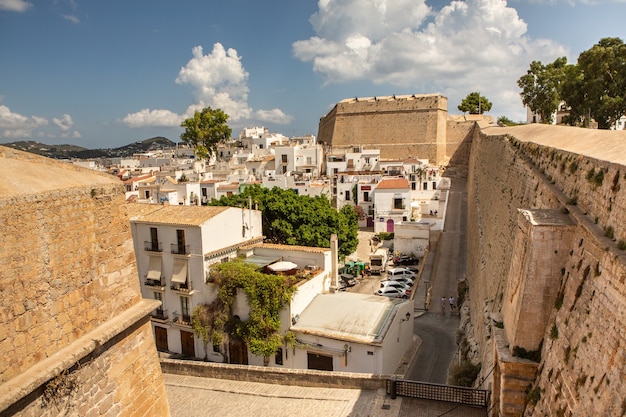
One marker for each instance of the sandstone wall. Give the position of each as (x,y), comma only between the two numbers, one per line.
(400,127)
(68,286)
(583,361)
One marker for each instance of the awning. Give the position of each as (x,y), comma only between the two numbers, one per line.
(154,268)
(179,274)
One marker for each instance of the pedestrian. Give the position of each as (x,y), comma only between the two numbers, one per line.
(451,301)
(443,304)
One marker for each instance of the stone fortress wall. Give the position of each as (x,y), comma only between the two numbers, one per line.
(75,337)
(578,176)
(400,126)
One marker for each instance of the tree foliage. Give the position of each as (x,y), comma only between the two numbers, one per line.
(266,294)
(205,130)
(292,219)
(541,88)
(474,103)
(593,88)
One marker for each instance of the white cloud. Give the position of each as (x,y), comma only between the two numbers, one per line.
(72,18)
(473,45)
(147,117)
(15,125)
(65,123)
(15,5)
(218,80)
(273,116)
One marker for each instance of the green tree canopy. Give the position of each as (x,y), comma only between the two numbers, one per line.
(474,103)
(603,75)
(205,130)
(594,87)
(292,219)
(541,88)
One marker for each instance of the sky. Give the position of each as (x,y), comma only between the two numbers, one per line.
(104,74)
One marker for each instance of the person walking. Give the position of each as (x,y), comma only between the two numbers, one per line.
(452,306)
(443,305)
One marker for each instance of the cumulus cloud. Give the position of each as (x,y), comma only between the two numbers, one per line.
(65,123)
(15,125)
(147,117)
(473,45)
(15,5)
(218,80)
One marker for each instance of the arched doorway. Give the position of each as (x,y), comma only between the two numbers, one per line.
(390,226)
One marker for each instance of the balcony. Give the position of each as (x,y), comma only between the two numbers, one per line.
(159,315)
(185,288)
(182,319)
(157,284)
(179,249)
(150,246)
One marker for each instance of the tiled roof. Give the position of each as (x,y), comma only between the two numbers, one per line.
(288,247)
(395,183)
(175,215)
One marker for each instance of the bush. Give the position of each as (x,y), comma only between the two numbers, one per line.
(464,374)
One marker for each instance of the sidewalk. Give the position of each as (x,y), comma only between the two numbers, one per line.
(191,396)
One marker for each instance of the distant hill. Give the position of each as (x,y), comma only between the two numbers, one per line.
(73,151)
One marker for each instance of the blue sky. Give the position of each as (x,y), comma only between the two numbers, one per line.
(109,73)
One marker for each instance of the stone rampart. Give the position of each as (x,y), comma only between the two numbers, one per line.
(400,126)
(581,371)
(74,337)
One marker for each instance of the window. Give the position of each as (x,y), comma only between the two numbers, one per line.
(397,204)
(366,196)
(347,195)
(283,159)
(425,186)
(146,194)
(309,160)
(434,185)
(180,241)
(154,239)
(184,309)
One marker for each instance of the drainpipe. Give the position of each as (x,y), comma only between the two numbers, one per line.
(334,253)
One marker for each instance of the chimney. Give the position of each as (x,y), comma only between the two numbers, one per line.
(334,253)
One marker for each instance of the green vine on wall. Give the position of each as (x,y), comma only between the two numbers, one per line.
(266,294)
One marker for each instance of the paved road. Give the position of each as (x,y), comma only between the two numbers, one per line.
(447,268)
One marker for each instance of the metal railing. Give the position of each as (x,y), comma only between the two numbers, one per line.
(156,283)
(151,246)
(437,392)
(179,249)
(159,314)
(184,319)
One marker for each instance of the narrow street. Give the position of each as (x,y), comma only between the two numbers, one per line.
(444,268)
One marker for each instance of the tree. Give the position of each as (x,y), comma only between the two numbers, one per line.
(603,81)
(292,219)
(474,103)
(541,88)
(205,130)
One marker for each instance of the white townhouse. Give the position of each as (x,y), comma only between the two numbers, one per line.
(174,248)
(306,160)
(392,203)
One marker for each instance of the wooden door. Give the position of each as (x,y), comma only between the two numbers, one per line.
(160,335)
(238,352)
(186,341)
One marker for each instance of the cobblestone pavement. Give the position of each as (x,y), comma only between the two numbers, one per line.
(191,396)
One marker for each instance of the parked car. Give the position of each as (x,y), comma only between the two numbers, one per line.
(394,273)
(391,292)
(348,279)
(395,284)
(406,281)
(405,260)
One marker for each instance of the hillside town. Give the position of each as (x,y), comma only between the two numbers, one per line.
(176,244)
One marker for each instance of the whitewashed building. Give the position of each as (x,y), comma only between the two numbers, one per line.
(392,204)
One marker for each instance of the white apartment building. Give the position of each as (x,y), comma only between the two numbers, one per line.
(306,160)
(392,203)
(174,248)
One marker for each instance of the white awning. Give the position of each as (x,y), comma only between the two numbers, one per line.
(282,266)
(154,268)
(179,274)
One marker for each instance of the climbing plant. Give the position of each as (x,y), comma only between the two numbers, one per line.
(267,295)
